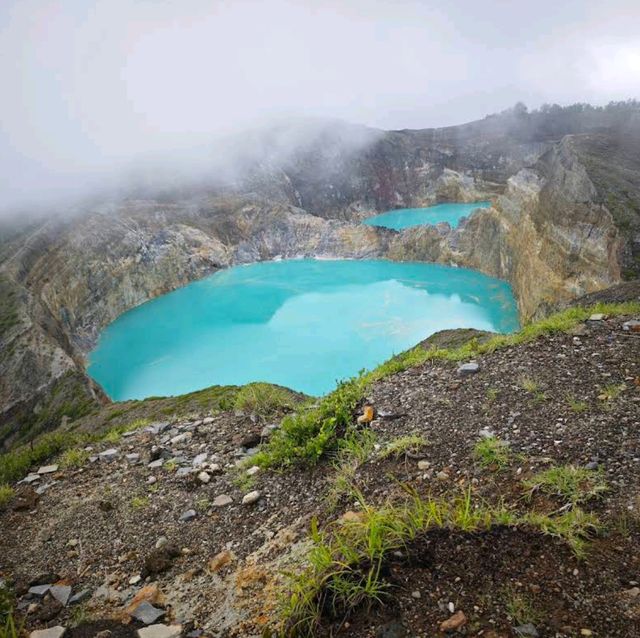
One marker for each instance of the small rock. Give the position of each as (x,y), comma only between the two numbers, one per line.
(207,420)
(424,464)
(80,597)
(586,632)
(595,317)
(442,476)
(634,592)
(222,500)
(61,593)
(251,497)
(156,464)
(200,459)
(146,613)
(631,326)
(134,580)
(527,631)
(189,515)
(39,590)
(367,415)
(160,631)
(468,368)
(253,470)
(151,480)
(416,594)
(48,469)
(30,478)
(109,454)
(455,622)
(52,632)
(220,560)
(203,477)
(133,457)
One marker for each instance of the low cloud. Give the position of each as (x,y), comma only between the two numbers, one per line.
(96,89)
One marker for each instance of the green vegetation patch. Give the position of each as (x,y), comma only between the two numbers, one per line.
(571,484)
(307,434)
(265,399)
(492,452)
(6,494)
(73,457)
(15,464)
(354,450)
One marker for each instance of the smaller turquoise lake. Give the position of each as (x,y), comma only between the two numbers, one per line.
(304,324)
(407,217)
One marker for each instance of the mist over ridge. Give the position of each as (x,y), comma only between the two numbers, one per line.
(109,92)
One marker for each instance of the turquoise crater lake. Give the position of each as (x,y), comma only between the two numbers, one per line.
(402,218)
(304,324)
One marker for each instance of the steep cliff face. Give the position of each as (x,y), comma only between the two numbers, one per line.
(565,220)
(549,234)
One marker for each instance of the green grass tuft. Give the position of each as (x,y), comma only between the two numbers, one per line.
(9,628)
(611,392)
(354,450)
(575,527)
(520,608)
(403,445)
(264,399)
(140,502)
(492,452)
(573,485)
(73,457)
(6,494)
(307,434)
(578,407)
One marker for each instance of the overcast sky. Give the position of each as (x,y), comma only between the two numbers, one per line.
(89,84)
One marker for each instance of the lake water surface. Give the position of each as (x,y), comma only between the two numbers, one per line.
(402,218)
(303,324)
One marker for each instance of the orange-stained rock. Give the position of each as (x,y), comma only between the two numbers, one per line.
(367,415)
(220,560)
(455,622)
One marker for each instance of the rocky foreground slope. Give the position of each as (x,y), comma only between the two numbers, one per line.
(565,220)
(495,498)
